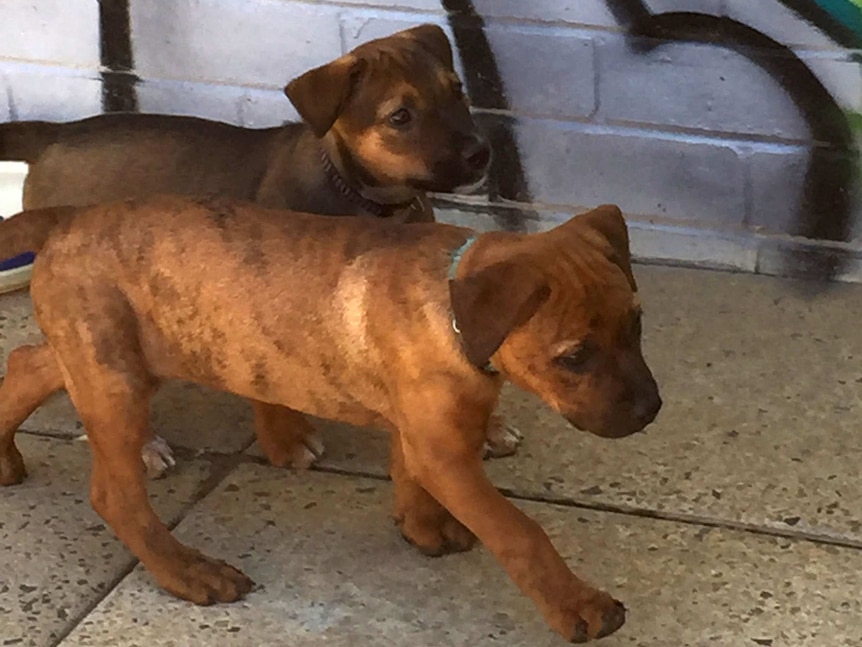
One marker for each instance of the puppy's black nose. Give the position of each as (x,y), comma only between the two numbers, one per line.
(477,154)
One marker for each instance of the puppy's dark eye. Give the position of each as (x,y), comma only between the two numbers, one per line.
(574,360)
(400,118)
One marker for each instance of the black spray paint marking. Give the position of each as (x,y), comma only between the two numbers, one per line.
(118,79)
(507,177)
(831,178)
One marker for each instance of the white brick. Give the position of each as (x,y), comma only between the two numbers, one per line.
(428,6)
(54,94)
(546,71)
(710,7)
(246,42)
(559,53)
(778,184)
(778,22)
(359,27)
(777,181)
(582,12)
(4,98)
(703,248)
(694,86)
(698,182)
(839,74)
(61,31)
(231,104)
(265,108)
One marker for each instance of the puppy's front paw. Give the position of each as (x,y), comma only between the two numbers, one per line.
(158,457)
(501,440)
(12,470)
(203,580)
(442,535)
(595,616)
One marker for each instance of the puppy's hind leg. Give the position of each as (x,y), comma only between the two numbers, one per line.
(32,374)
(112,395)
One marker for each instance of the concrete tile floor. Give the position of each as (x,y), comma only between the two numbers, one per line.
(734,521)
(57,557)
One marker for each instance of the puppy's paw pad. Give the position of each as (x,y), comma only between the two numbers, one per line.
(158,457)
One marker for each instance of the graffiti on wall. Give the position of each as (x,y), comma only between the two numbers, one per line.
(827,197)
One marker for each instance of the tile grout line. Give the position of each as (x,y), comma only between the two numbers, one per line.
(690,519)
(95,602)
(633,511)
(223,464)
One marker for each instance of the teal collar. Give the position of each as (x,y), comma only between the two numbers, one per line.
(457,255)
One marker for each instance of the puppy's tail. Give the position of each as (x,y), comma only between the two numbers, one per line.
(25,141)
(28,230)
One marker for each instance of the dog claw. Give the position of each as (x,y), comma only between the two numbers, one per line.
(612,620)
(158,457)
(600,617)
(580,635)
(501,440)
(315,444)
(306,453)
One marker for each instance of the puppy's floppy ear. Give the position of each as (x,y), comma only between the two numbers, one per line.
(608,220)
(490,303)
(320,94)
(433,39)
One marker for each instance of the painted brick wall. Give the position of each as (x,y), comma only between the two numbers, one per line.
(707,147)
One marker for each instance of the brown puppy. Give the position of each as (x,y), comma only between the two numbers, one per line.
(413,329)
(383,124)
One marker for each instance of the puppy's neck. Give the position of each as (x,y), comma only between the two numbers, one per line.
(360,181)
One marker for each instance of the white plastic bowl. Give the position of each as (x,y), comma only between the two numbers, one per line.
(12,176)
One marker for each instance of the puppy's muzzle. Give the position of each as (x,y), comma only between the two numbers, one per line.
(626,417)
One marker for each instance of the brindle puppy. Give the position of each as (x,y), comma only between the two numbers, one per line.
(414,330)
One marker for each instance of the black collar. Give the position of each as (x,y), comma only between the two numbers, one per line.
(378,209)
